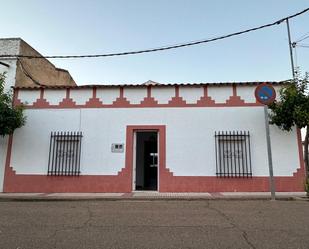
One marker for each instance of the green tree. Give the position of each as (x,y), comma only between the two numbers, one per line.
(11,117)
(292,109)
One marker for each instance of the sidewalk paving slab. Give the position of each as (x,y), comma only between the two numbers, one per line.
(153,195)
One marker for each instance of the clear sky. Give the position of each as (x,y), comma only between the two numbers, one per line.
(61,27)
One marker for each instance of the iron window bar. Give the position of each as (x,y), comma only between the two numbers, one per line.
(64,153)
(233,154)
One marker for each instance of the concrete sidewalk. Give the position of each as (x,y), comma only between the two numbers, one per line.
(152,195)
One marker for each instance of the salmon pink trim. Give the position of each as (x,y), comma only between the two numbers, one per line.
(94,102)
(149,101)
(122,182)
(295,183)
(21,183)
(16,101)
(235,100)
(206,100)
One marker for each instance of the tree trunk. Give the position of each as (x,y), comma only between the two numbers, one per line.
(306,150)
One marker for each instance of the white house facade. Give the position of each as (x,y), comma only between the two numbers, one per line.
(168,138)
(207,137)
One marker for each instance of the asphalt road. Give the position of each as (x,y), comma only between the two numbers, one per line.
(154,224)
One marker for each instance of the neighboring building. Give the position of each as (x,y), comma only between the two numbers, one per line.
(26,72)
(20,72)
(168,138)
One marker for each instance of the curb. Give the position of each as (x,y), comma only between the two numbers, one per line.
(148,198)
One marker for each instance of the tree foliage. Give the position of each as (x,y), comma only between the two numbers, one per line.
(292,109)
(11,117)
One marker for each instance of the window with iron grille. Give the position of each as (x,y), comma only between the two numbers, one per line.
(64,153)
(233,156)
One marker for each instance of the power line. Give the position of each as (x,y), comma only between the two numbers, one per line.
(303,46)
(303,37)
(159,48)
(4,64)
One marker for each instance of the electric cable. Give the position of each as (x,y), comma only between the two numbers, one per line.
(4,64)
(303,45)
(303,37)
(163,48)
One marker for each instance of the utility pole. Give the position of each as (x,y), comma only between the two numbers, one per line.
(290,46)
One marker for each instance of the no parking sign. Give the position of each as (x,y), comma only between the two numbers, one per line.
(265,94)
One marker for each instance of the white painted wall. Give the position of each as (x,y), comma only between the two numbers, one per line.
(81,96)
(246,93)
(9,46)
(190,144)
(220,94)
(3,150)
(191,94)
(54,97)
(28,97)
(10,73)
(163,94)
(135,95)
(30,142)
(108,95)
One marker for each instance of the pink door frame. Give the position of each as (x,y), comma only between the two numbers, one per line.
(131,129)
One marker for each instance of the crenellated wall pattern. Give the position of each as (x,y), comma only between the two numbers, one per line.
(126,97)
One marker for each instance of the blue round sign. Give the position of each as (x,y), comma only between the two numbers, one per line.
(265,94)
